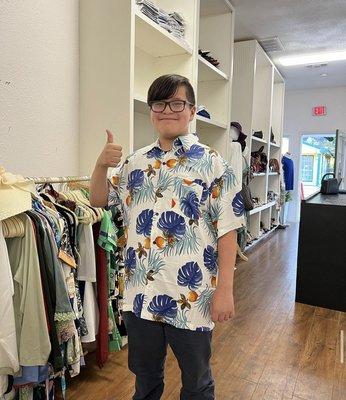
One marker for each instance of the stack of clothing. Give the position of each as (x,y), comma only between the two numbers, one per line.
(173,22)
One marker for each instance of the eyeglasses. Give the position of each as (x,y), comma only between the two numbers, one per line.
(175,106)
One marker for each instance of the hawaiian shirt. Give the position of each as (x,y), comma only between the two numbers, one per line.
(176,205)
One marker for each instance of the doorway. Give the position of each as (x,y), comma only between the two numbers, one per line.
(317,158)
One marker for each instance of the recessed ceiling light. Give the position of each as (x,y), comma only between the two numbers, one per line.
(313,58)
(324,75)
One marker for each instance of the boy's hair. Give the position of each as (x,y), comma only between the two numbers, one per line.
(165,86)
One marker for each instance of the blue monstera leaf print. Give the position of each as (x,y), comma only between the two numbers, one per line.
(172,223)
(190,205)
(135,179)
(155,152)
(195,152)
(130,259)
(138,304)
(238,204)
(190,275)
(144,222)
(163,306)
(205,192)
(210,259)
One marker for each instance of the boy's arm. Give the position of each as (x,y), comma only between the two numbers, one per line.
(222,306)
(109,157)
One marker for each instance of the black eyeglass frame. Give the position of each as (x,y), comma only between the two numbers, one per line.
(150,104)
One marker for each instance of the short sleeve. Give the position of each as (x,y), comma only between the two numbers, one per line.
(117,184)
(226,205)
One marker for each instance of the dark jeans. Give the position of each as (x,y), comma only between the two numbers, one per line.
(147,349)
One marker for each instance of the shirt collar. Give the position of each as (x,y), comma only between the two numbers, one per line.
(185,141)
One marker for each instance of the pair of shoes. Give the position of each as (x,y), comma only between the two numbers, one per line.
(209,58)
(257,202)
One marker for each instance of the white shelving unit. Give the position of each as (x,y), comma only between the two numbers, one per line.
(122,51)
(259,108)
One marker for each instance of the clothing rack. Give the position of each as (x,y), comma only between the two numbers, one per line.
(59,179)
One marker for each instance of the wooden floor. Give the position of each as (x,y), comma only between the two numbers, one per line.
(273,349)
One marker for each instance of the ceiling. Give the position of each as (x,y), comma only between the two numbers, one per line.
(303,26)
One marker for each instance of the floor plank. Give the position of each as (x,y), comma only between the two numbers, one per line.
(274,348)
(315,379)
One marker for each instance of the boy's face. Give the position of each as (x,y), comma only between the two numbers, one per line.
(171,124)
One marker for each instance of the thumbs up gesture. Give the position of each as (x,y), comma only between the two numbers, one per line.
(111,153)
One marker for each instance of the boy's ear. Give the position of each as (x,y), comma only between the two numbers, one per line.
(193,112)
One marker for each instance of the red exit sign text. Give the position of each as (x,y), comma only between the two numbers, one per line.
(319,111)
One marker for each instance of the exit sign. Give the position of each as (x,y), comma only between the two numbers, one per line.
(319,111)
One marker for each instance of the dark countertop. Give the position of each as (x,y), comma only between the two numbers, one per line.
(328,199)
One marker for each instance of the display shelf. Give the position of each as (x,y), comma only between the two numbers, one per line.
(215,7)
(209,122)
(260,239)
(155,40)
(208,72)
(260,208)
(122,51)
(259,174)
(259,108)
(256,139)
(275,145)
(141,105)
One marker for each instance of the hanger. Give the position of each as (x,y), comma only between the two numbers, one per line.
(13,227)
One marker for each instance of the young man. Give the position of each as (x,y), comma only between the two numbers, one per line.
(182,206)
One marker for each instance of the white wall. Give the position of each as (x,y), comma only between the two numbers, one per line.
(39,55)
(299,119)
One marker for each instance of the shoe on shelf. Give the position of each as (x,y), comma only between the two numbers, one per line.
(258,134)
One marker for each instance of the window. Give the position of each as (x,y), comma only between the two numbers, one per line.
(307,168)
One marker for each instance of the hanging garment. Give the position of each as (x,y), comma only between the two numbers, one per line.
(8,342)
(31,326)
(87,272)
(101,264)
(108,241)
(48,286)
(288,167)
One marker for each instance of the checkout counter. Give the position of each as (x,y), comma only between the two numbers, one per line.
(321,267)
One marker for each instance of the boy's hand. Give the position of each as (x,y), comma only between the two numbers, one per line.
(222,305)
(111,154)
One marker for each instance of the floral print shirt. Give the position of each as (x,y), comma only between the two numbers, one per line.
(176,205)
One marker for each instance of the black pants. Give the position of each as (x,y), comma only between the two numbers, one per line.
(147,349)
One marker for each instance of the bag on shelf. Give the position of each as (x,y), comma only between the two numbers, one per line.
(259,161)
(329,185)
(274,165)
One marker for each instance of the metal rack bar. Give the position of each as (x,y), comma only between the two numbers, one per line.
(58,179)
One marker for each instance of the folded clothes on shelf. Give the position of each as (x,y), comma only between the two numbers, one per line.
(202,111)
(173,22)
